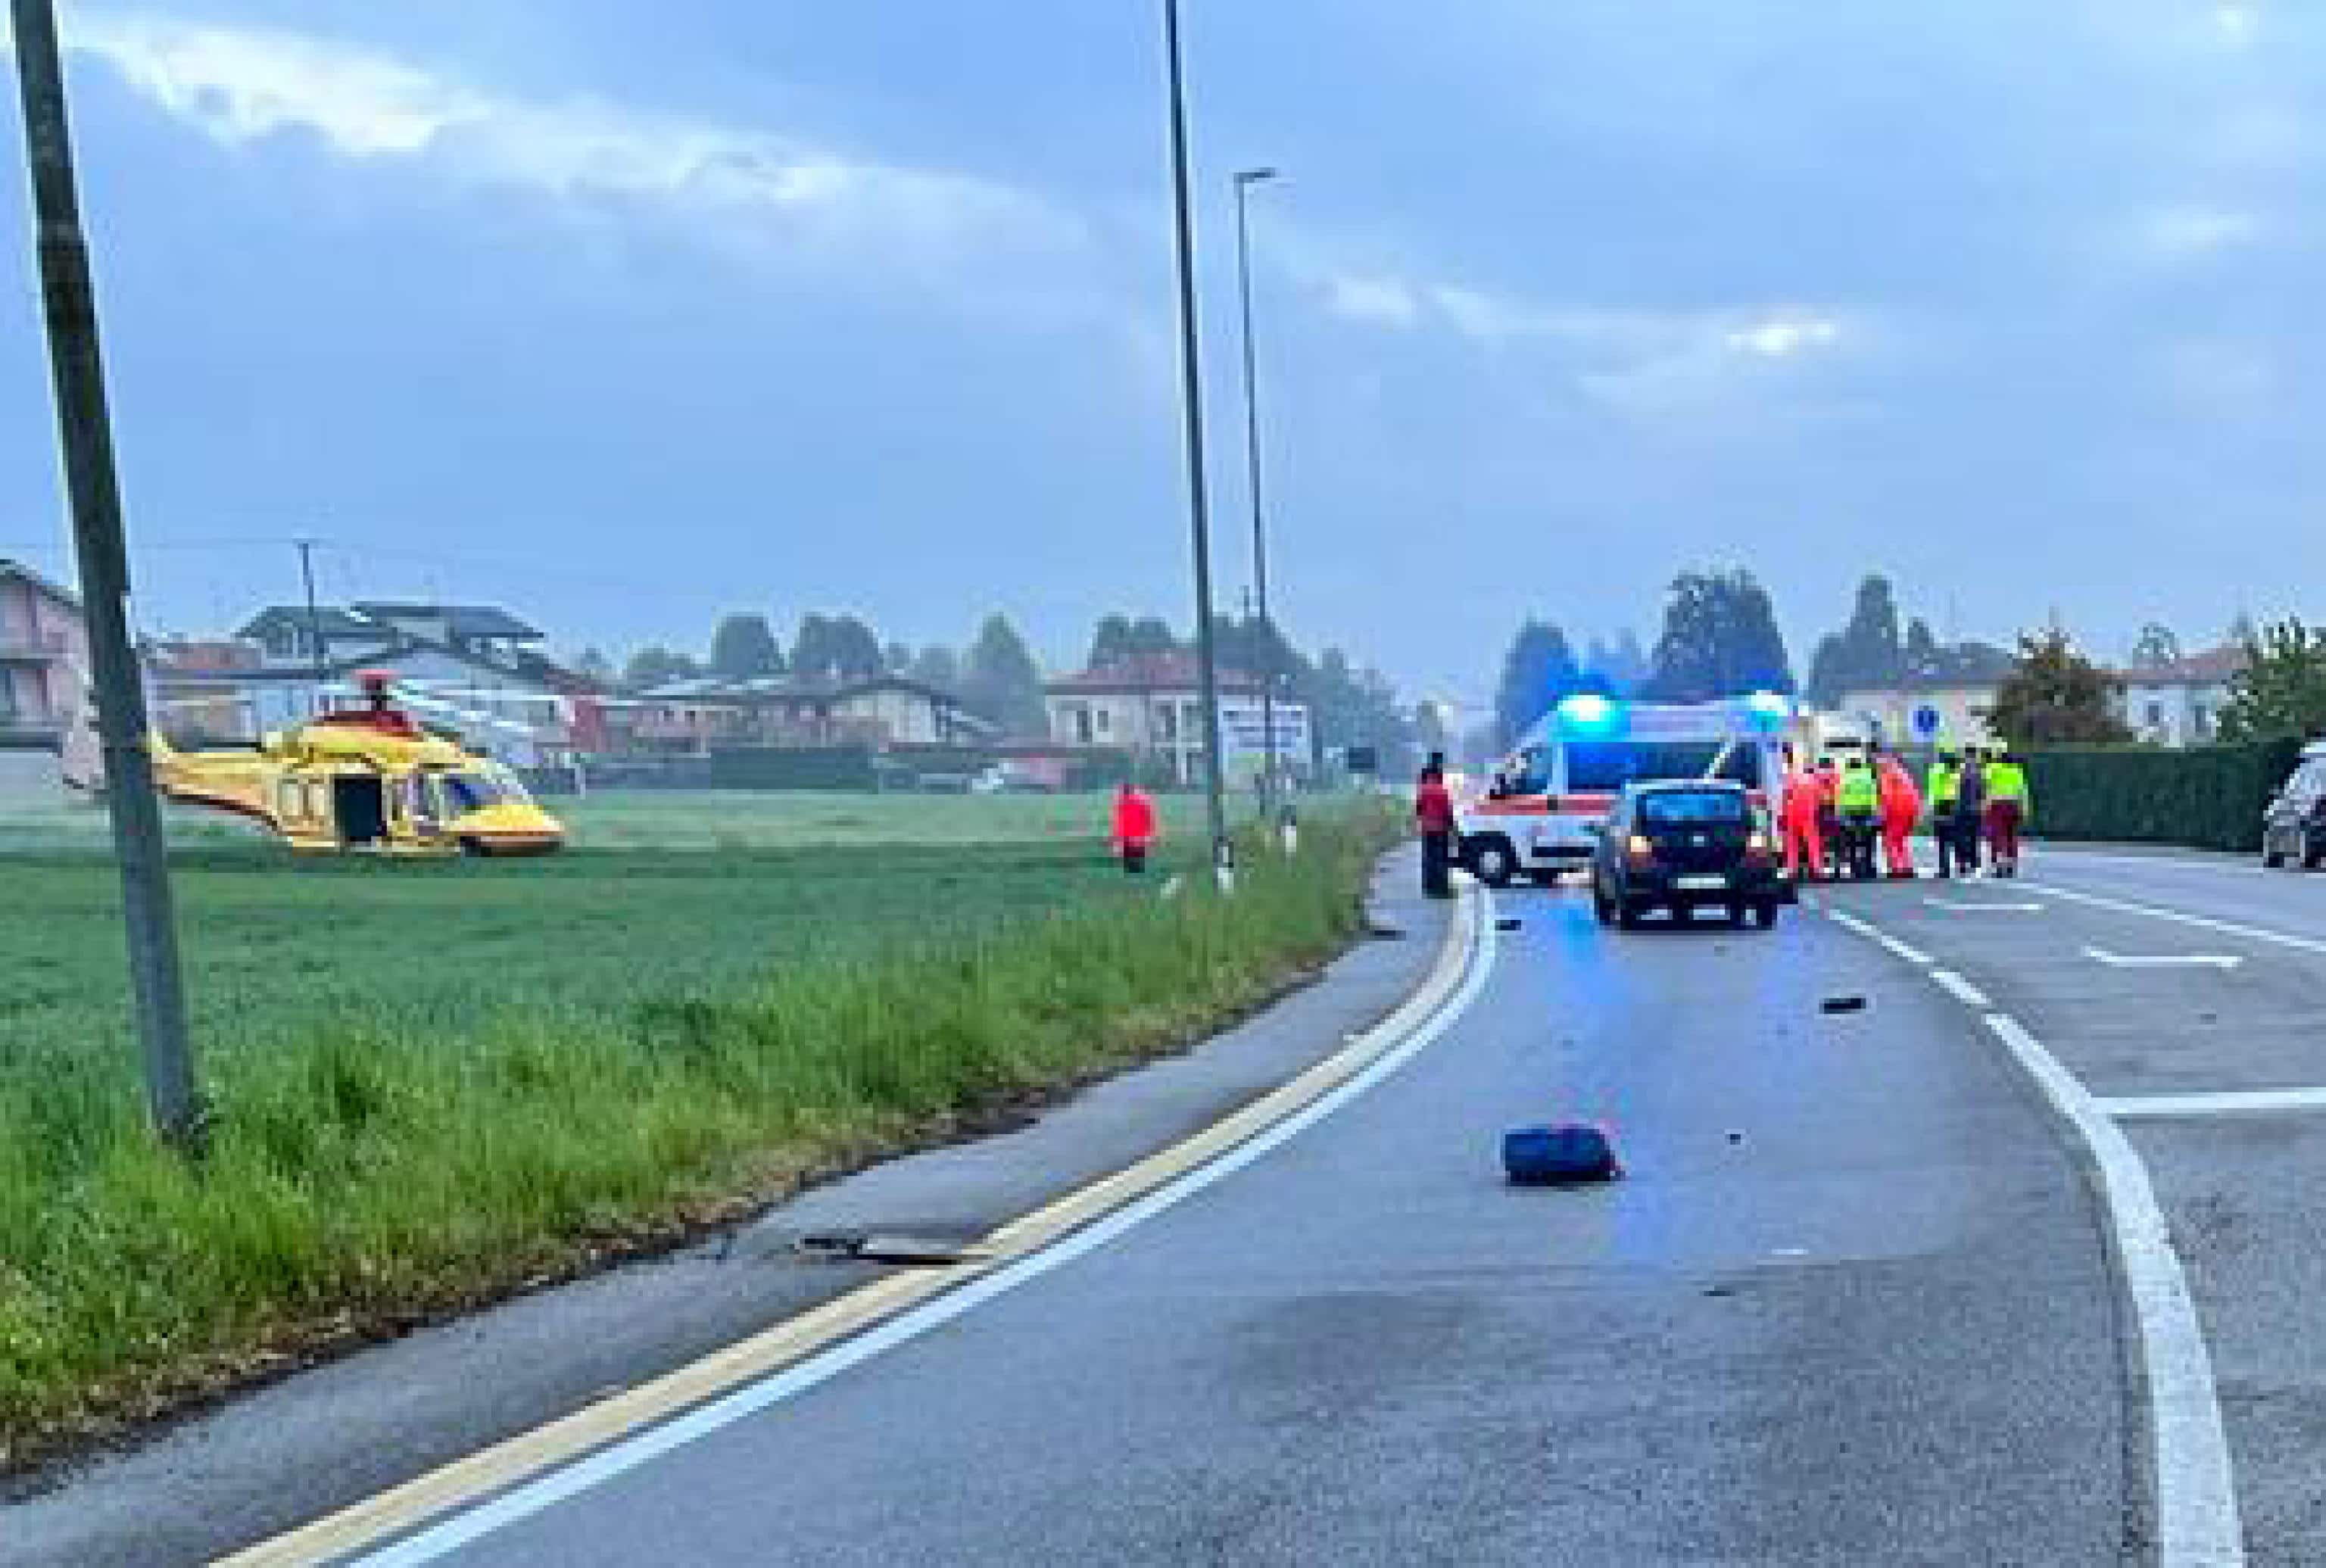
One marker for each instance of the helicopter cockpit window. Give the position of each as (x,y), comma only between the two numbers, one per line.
(473,791)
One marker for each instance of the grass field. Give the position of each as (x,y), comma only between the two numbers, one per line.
(437,1080)
(697,820)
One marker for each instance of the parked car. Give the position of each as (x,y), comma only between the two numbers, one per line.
(1683,846)
(2293,824)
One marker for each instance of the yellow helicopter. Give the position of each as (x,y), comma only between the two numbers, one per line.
(369,779)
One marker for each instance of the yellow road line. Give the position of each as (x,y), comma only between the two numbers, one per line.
(469,1481)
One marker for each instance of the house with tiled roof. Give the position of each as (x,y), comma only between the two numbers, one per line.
(47,729)
(1152,707)
(2179,703)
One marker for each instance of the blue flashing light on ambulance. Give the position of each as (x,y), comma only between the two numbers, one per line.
(1536,818)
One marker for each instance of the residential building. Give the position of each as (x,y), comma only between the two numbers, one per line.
(2179,703)
(45,710)
(1962,705)
(1153,706)
(704,714)
(470,669)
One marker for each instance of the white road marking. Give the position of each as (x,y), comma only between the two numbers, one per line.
(2201,922)
(2223,1102)
(2196,1495)
(462,1529)
(1961,989)
(2006,907)
(2164,960)
(1848,922)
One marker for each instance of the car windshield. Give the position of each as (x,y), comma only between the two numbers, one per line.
(1693,808)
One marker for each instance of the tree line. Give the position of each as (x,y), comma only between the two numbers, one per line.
(1719,637)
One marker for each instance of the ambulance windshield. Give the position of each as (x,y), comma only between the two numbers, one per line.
(1594,766)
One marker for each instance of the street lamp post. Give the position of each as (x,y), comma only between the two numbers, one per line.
(1244,181)
(84,434)
(1191,418)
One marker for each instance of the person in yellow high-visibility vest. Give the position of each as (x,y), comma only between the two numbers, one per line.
(1943,787)
(1857,801)
(2008,808)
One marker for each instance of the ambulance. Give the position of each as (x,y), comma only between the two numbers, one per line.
(1535,818)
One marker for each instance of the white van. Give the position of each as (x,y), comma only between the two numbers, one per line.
(1534,818)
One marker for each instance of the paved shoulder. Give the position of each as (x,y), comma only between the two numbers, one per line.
(343,1432)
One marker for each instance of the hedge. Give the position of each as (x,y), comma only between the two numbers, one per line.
(2206,797)
(806,768)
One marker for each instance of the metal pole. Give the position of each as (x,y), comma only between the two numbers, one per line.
(1244,182)
(1192,417)
(314,622)
(85,436)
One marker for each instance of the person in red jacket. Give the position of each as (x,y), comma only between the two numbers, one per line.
(1798,816)
(1902,808)
(1433,815)
(1134,827)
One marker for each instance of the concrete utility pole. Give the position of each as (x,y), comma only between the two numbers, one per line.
(85,435)
(1244,181)
(1192,418)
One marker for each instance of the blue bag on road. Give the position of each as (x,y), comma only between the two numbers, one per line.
(1536,1157)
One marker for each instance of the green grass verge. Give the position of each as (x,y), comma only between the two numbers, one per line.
(435,1084)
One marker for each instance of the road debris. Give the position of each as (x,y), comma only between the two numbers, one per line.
(1558,1156)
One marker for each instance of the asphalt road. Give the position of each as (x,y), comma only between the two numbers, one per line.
(2241,1181)
(1852,1304)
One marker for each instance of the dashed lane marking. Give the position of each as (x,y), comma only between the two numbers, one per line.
(1961,989)
(2223,1102)
(2164,960)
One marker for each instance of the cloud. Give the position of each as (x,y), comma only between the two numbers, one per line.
(1640,359)
(2192,232)
(782,194)
(1380,300)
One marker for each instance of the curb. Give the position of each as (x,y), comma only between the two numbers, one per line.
(467,1482)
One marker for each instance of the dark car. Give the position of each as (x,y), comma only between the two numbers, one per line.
(2293,825)
(1682,847)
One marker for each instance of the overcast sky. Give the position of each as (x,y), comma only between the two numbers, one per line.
(624,314)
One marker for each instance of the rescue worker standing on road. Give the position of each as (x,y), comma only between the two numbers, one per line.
(1945,774)
(1134,827)
(1857,800)
(1902,808)
(2008,810)
(1798,816)
(1433,814)
(1828,817)
(1970,810)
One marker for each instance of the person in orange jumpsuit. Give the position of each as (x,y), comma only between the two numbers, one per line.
(1828,777)
(1798,815)
(1902,808)
(1134,827)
